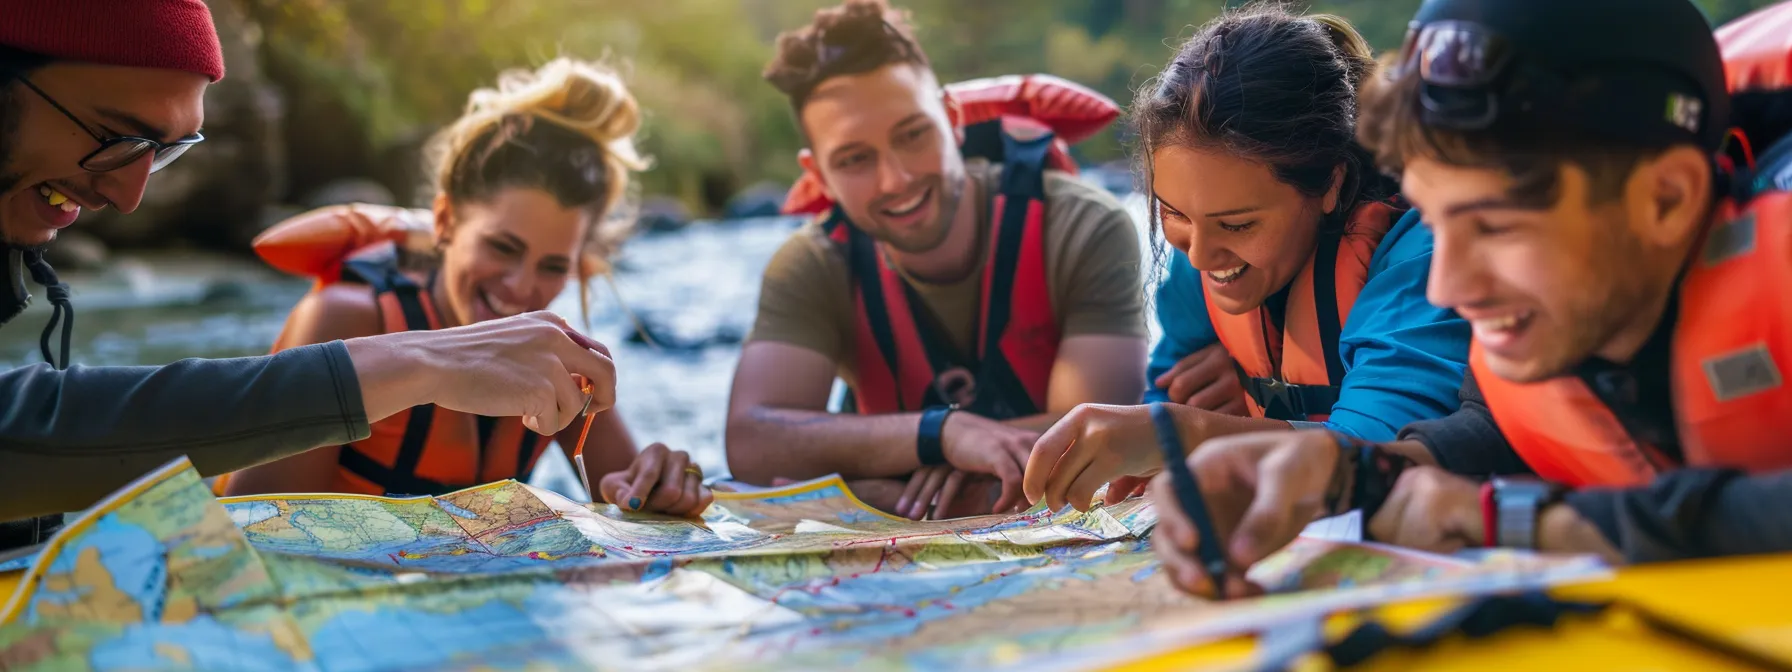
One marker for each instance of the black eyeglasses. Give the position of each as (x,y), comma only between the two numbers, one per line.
(123,150)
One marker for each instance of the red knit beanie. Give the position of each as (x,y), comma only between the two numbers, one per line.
(169,34)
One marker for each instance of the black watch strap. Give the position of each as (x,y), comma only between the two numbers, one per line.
(928,445)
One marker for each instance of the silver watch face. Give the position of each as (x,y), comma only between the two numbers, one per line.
(1516,504)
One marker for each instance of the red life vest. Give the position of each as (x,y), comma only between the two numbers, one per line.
(1294,372)
(901,366)
(1757,49)
(424,450)
(1731,342)
(1757,52)
(1071,111)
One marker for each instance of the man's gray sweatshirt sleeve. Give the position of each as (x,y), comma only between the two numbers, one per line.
(69,438)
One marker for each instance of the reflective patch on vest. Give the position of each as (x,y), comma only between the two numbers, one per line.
(1735,238)
(1742,373)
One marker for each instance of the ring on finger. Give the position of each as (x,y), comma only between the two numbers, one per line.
(694,470)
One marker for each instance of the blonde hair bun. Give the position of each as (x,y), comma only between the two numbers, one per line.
(579,95)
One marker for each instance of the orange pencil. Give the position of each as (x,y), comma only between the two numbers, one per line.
(578,451)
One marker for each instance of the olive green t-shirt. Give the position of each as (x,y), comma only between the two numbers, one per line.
(1092,262)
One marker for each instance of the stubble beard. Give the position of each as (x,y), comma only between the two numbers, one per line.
(951,194)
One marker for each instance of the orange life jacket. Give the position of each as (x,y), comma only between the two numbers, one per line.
(424,450)
(1733,330)
(1294,373)
(1730,343)
(1071,111)
(901,366)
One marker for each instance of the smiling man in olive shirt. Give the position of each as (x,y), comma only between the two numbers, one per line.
(983,318)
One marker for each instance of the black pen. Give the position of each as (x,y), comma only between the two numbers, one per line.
(1188,494)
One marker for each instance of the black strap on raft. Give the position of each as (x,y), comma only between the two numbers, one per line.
(401,478)
(1283,400)
(1001,395)
(64,312)
(1488,615)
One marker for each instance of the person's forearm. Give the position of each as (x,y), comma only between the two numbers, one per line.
(68,438)
(1412,450)
(1691,513)
(386,368)
(1198,425)
(1560,529)
(766,443)
(1466,441)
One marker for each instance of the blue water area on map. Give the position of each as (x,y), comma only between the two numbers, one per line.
(18,563)
(386,638)
(890,604)
(456,511)
(361,544)
(211,552)
(850,516)
(245,514)
(208,645)
(130,553)
(657,569)
(823,493)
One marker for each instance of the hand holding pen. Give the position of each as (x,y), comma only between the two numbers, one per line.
(1257,492)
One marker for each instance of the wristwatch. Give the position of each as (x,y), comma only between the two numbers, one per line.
(1516,503)
(928,444)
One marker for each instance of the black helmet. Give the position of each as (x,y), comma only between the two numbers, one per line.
(1641,70)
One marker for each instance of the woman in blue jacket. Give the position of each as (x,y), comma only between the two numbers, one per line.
(1296,290)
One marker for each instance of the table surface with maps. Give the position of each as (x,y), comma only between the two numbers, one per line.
(506,576)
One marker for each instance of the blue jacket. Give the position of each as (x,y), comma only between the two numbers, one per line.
(1404,359)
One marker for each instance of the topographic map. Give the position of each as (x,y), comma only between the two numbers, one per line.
(507,576)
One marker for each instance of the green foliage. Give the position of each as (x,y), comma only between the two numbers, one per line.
(400,69)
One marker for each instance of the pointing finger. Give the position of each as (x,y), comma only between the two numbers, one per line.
(1012,495)
(1048,450)
(949,492)
(912,490)
(1276,515)
(930,488)
(672,473)
(645,478)
(1070,468)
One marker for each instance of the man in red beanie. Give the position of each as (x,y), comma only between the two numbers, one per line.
(94,96)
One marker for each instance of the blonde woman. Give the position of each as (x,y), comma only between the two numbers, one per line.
(528,181)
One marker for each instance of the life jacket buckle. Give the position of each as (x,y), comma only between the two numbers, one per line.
(1272,391)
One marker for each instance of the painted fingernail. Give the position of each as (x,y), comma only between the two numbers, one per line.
(634,503)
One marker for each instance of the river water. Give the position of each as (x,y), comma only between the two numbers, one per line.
(696,289)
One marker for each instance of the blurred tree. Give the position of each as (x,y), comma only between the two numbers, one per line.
(366,81)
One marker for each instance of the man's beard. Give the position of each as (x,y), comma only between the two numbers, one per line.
(951,188)
(1597,320)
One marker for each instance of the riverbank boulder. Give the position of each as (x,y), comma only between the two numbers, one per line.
(765,199)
